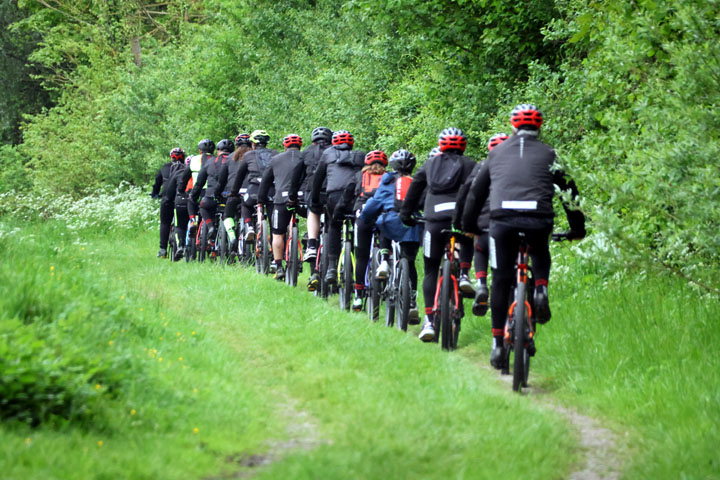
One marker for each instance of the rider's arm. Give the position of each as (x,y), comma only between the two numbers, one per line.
(183,180)
(297,179)
(223,177)
(318,179)
(575,216)
(158,183)
(265,184)
(476,198)
(239,178)
(199,183)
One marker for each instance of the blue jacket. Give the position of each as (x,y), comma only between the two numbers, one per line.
(379,209)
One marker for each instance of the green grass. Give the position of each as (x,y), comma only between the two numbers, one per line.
(269,372)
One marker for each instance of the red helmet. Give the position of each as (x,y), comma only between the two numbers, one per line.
(526,115)
(343,136)
(177,154)
(452,139)
(292,140)
(376,156)
(496,140)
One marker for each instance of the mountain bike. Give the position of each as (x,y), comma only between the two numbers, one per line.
(448,301)
(520,324)
(263,254)
(293,251)
(346,263)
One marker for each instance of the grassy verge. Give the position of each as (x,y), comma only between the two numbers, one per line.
(278,374)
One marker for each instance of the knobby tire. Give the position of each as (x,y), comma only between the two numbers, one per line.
(446,308)
(520,351)
(402,295)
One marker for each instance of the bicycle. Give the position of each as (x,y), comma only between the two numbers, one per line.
(346,263)
(448,301)
(293,251)
(520,325)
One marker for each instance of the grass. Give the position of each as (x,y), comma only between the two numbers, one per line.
(286,378)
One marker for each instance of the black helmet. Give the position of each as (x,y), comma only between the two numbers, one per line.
(402,161)
(243,139)
(206,146)
(225,145)
(322,133)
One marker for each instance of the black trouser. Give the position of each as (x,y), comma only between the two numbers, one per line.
(231,207)
(181,221)
(504,243)
(362,243)
(166,218)
(481,255)
(434,242)
(280,219)
(409,250)
(334,225)
(208,207)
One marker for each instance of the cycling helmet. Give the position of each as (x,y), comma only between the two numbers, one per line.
(452,139)
(225,145)
(526,115)
(260,137)
(402,161)
(342,136)
(206,146)
(322,133)
(292,140)
(376,156)
(496,140)
(433,153)
(243,139)
(177,154)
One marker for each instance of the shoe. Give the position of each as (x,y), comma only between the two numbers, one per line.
(310,255)
(413,314)
(382,271)
(331,276)
(273,269)
(162,253)
(498,357)
(480,304)
(179,253)
(313,282)
(427,334)
(234,246)
(250,234)
(542,304)
(465,285)
(357,304)
(280,273)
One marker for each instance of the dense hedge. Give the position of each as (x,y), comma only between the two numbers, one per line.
(628,90)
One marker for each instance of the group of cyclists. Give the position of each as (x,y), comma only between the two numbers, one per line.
(485,205)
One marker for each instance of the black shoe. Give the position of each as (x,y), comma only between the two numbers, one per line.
(331,276)
(480,304)
(280,274)
(162,253)
(313,282)
(179,253)
(542,304)
(498,357)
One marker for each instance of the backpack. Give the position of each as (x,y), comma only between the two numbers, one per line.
(402,183)
(370,183)
(445,174)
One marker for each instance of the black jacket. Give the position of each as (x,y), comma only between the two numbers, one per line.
(439,203)
(483,220)
(252,166)
(279,173)
(519,178)
(209,177)
(338,164)
(161,179)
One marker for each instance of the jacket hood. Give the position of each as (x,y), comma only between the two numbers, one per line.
(388,177)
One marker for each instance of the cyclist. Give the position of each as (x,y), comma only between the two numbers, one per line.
(227,178)
(302,187)
(363,188)
(442,176)
(251,167)
(162,179)
(209,177)
(480,304)
(279,173)
(382,210)
(187,180)
(519,177)
(338,164)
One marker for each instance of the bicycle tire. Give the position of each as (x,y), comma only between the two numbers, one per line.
(202,247)
(403,295)
(172,243)
(223,243)
(322,271)
(373,294)
(293,262)
(444,305)
(519,349)
(267,252)
(191,247)
(346,276)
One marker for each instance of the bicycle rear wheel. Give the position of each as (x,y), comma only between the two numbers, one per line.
(402,294)
(293,262)
(172,243)
(521,358)
(323,267)
(223,246)
(190,245)
(346,276)
(203,246)
(373,294)
(445,305)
